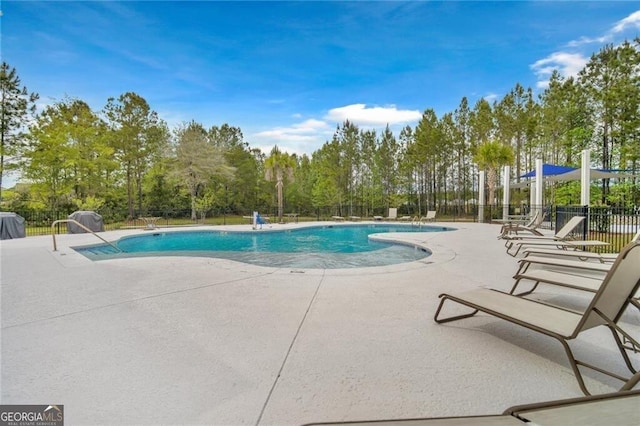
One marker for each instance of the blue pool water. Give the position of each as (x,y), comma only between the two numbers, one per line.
(331,246)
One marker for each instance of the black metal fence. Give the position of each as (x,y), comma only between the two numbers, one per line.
(615,226)
(38,222)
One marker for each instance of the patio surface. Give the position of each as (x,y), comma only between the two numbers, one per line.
(185,340)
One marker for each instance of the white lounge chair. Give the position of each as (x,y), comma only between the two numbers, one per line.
(531,226)
(393,213)
(575,252)
(559,240)
(606,308)
(430,217)
(562,234)
(553,262)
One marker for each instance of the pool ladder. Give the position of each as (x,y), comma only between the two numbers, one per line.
(53,233)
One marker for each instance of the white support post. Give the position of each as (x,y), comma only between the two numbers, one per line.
(481,196)
(585,178)
(539,186)
(505,195)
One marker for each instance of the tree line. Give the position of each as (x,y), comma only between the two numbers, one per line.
(125,156)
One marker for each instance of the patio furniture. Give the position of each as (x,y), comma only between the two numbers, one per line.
(393,213)
(431,216)
(617,408)
(513,228)
(560,239)
(575,252)
(606,308)
(562,234)
(526,262)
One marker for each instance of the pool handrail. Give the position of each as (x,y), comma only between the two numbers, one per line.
(53,233)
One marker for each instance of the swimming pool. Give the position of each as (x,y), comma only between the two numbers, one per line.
(328,247)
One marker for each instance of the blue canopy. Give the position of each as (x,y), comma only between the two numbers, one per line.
(550,170)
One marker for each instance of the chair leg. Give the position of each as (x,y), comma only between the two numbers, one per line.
(511,247)
(522,268)
(631,382)
(449,319)
(574,366)
(524,293)
(616,331)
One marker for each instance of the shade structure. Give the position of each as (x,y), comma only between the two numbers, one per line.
(595,175)
(572,174)
(549,170)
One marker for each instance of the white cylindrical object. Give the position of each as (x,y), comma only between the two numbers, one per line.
(505,195)
(585,178)
(481,196)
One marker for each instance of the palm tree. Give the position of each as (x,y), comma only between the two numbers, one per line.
(490,156)
(277,165)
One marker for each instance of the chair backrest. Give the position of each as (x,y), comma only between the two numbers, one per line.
(431,214)
(533,219)
(393,212)
(617,289)
(538,218)
(569,227)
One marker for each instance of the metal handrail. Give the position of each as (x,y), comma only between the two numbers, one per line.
(53,234)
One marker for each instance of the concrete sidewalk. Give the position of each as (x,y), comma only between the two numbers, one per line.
(186,340)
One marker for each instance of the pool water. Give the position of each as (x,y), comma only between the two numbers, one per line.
(331,246)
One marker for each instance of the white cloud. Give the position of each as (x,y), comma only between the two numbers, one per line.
(570,64)
(299,131)
(588,40)
(632,20)
(567,64)
(300,138)
(372,116)
(308,136)
(490,97)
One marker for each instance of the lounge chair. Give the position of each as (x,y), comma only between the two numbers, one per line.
(617,408)
(565,245)
(393,213)
(338,218)
(559,240)
(562,234)
(606,308)
(430,217)
(553,262)
(575,252)
(531,226)
(568,279)
(569,251)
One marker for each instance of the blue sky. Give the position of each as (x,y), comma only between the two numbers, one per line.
(288,73)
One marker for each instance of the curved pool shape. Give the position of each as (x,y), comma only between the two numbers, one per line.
(326,247)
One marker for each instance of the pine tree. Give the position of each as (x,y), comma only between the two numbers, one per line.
(15,110)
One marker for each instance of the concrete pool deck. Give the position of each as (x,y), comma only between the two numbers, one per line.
(187,340)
